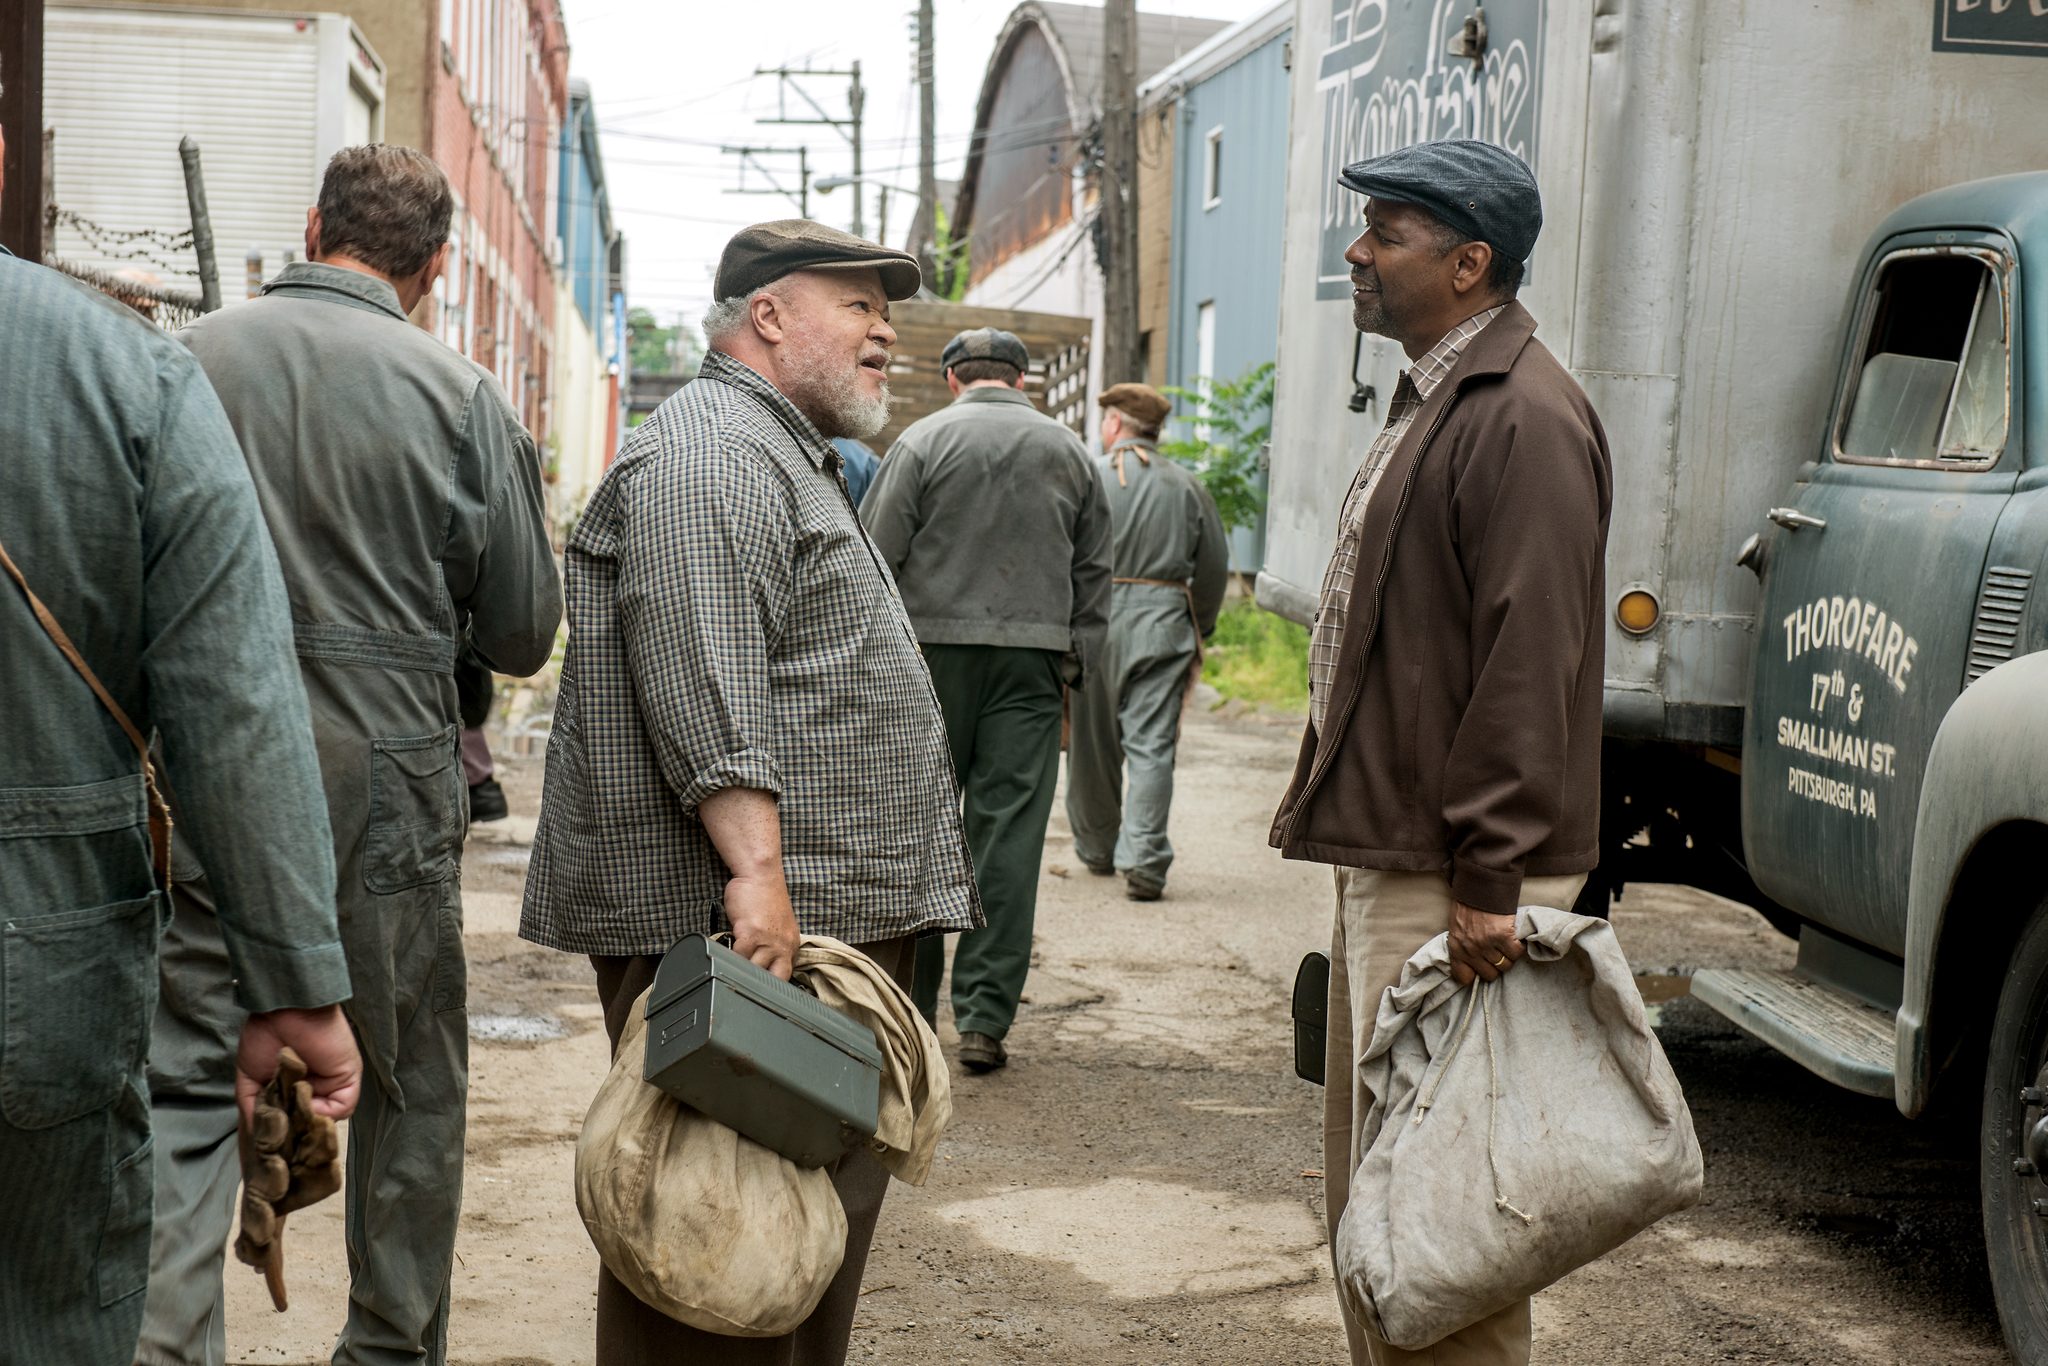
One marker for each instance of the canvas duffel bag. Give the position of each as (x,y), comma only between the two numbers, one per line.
(1520,1128)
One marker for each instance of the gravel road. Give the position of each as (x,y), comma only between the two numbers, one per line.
(1139,1185)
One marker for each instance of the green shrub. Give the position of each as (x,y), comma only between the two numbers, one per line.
(1259,657)
(1238,416)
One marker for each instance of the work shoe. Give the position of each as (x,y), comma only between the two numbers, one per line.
(487,802)
(1100,869)
(1141,891)
(982,1053)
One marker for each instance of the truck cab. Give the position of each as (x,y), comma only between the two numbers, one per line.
(1894,762)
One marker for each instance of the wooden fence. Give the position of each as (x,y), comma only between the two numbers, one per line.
(1057,382)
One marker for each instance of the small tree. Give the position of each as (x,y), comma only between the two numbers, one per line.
(1237,416)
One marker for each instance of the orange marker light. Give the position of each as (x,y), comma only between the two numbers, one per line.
(1637,611)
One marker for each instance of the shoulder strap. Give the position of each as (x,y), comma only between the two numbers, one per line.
(159,809)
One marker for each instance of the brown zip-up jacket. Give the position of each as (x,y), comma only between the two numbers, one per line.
(1463,727)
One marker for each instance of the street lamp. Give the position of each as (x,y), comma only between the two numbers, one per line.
(833,182)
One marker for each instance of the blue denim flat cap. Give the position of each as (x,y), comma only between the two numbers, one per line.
(985,343)
(1486,192)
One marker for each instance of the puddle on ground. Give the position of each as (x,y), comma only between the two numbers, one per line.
(516,1028)
(1657,988)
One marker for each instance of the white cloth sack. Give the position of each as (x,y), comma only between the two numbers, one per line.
(917,1090)
(1519,1129)
(712,1228)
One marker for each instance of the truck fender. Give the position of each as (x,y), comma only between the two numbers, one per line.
(1988,770)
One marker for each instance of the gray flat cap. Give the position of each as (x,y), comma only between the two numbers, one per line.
(1486,192)
(985,343)
(766,252)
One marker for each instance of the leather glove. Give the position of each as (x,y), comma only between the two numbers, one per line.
(289,1161)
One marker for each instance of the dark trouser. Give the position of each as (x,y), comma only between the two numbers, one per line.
(1002,711)
(192,1107)
(632,1333)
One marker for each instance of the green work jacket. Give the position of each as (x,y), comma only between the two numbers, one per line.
(995,528)
(130,513)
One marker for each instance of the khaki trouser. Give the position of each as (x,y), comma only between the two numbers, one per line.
(1382,919)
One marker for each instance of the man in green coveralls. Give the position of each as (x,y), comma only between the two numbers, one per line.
(129,514)
(998,534)
(1171,563)
(405,500)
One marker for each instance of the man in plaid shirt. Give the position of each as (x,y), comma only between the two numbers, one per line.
(746,736)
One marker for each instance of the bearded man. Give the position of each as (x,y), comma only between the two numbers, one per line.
(746,737)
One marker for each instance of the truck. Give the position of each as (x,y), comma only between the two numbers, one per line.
(268,95)
(1792,253)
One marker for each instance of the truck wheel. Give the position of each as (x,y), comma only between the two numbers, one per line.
(2015,1146)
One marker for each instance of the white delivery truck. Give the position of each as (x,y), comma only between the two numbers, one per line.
(268,96)
(1792,253)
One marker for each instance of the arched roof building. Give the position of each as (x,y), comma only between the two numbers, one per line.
(1026,198)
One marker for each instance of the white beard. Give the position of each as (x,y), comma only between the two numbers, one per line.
(826,387)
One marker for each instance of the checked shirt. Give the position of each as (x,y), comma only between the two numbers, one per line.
(730,624)
(1333,608)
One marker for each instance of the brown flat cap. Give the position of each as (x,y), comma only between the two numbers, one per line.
(1141,401)
(766,252)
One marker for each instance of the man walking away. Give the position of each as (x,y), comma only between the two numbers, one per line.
(129,515)
(999,535)
(1172,564)
(405,501)
(1451,767)
(745,738)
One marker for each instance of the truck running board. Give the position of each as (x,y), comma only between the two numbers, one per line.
(1828,1032)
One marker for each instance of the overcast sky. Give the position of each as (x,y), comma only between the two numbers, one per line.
(673,82)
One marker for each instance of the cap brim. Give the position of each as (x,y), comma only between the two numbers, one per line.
(900,279)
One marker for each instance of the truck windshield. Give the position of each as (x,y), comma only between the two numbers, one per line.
(1933,380)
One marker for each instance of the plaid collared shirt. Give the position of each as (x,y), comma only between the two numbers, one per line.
(1333,608)
(730,624)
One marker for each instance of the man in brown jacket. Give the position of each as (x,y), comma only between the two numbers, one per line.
(1451,768)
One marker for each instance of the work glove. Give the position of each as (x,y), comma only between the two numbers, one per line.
(288,1162)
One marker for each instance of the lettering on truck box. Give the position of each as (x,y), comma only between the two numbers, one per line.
(1867,637)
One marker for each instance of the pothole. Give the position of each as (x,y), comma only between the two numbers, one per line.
(517,1028)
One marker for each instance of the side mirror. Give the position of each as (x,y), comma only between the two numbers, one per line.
(1753,554)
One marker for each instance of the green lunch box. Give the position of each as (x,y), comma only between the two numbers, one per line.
(759,1055)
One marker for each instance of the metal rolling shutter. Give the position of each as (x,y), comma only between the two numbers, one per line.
(124,85)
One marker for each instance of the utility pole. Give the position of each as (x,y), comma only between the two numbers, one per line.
(1117,193)
(925,225)
(801,196)
(848,128)
(21,117)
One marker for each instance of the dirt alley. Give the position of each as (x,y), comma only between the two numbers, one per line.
(1136,1187)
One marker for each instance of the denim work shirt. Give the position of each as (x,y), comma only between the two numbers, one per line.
(406,503)
(731,625)
(130,513)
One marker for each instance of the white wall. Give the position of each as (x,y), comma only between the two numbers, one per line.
(1055,275)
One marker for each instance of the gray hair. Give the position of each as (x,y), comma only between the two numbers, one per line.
(728,317)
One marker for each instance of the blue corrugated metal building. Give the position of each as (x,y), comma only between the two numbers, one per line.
(586,212)
(1228,103)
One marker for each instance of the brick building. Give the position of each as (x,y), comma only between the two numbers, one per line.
(495,90)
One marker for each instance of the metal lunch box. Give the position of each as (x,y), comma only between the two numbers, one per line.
(759,1055)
